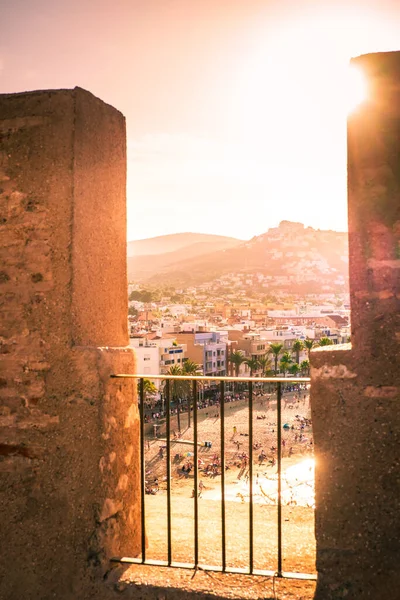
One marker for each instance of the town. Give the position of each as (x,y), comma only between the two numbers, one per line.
(242,320)
(221,336)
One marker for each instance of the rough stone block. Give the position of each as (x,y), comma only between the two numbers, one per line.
(355,393)
(63,308)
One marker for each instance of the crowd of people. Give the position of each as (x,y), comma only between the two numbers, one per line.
(157,409)
(296,437)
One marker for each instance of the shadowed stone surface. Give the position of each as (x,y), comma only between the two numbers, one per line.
(355,392)
(69,460)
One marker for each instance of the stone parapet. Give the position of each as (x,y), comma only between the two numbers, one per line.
(374,206)
(69,434)
(356,428)
(355,391)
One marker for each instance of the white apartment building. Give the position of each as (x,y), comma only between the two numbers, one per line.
(155,355)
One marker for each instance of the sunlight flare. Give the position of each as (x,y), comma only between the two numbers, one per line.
(356,89)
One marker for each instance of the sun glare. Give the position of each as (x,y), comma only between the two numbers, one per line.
(356,89)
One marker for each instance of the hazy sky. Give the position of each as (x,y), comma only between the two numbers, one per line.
(235,108)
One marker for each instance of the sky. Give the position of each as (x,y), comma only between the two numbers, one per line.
(236,109)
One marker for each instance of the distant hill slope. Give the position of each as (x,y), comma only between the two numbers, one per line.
(292,255)
(185,246)
(164,244)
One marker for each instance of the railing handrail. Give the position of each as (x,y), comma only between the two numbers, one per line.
(279,383)
(214,378)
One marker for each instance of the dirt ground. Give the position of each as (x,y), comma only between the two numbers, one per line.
(297,519)
(157,583)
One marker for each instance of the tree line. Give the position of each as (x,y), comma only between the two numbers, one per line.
(267,363)
(287,363)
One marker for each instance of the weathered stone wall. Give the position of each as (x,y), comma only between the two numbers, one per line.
(99,186)
(69,462)
(355,390)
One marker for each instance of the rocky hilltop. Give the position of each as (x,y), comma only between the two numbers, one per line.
(290,256)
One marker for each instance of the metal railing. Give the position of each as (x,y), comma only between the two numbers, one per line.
(278,382)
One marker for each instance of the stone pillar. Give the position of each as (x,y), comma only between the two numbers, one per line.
(69,435)
(355,390)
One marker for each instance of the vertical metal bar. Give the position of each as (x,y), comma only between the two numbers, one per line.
(251,541)
(168,431)
(196,474)
(223,521)
(142,470)
(279,425)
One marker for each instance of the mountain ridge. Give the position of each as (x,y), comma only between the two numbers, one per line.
(174,241)
(289,255)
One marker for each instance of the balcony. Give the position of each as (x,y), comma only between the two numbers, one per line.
(284,487)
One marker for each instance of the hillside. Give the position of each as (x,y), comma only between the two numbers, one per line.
(165,244)
(289,257)
(163,252)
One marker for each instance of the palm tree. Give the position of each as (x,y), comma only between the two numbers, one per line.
(325,341)
(309,344)
(149,389)
(236,358)
(285,362)
(275,349)
(265,365)
(305,367)
(177,389)
(253,364)
(297,348)
(294,369)
(190,368)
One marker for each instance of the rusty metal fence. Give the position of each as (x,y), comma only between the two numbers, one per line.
(221,382)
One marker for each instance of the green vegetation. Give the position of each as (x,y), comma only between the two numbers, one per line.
(294,369)
(149,389)
(275,349)
(143,296)
(181,389)
(253,364)
(265,365)
(285,362)
(297,348)
(325,341)
(176,387)
(192,369)
(309,344)
(305,368)
(236,358)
